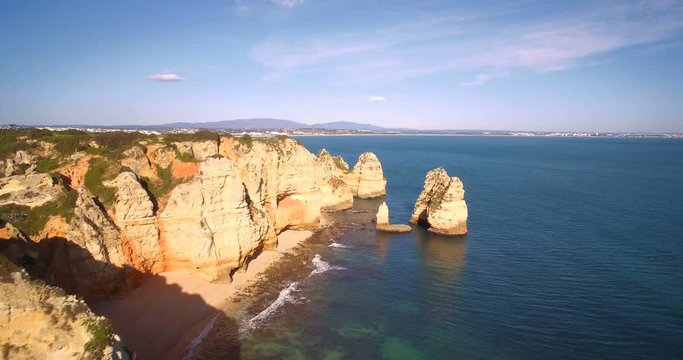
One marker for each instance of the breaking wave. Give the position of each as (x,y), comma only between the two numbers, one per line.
(322,266)
(286,295)
(338,245)
(198,340)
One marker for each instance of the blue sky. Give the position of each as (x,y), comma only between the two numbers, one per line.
(520,65)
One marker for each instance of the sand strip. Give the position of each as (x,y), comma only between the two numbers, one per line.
(159,319)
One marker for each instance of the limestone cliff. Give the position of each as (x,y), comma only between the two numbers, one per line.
(147,208)
(93,259)
(336,194)
(38,321)
(136,219)
(200,150)
(367,179)
(136,159)
(289,183)
(441,206)
(210,223)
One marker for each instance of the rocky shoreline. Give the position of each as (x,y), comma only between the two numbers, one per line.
(118,219)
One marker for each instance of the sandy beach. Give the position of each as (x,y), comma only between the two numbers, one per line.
(175,306)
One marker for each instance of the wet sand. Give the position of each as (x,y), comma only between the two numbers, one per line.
(160,318)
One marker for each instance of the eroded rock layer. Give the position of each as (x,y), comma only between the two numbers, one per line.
(210,222)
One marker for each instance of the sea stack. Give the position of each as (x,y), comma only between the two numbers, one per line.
(383,221)
(367,179)
(441,206)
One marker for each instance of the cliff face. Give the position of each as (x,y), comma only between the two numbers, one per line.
(150,208)
(336,194)
(200,150)
(38,321)
(210,222)
(441,206)
(292,185)
(136,219)
(93,259)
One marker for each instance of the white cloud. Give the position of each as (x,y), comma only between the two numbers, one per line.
(165,77)
(468,43)
(377,98)
(480,79)
(288,3)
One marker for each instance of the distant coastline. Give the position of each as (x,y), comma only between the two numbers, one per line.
(294,132)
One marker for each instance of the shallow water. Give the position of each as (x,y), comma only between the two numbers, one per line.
(574,251)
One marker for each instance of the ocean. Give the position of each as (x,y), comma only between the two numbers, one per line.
(574,251)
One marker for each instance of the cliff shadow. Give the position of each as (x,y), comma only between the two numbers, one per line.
(155,318)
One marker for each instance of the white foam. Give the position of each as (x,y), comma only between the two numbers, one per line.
(198,340)
(322,266)
(286,295)
(338,245)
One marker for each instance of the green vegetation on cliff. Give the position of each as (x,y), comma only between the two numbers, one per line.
(102,170)
(67,142)
(197,136)
(246,140)
(185,157)
(102,334)
(33,220)
(164,184)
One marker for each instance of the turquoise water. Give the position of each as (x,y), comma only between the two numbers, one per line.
(575,251)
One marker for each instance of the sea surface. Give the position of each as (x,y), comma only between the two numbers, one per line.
(575,251)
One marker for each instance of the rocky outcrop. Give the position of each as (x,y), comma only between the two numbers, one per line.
(75,171)
(336,194)
(162,155)
(16,246)
(382,217)
(9,167)
(332,165)
(28,190)
(136,219)
(441,206)
(367,179)
(39,321)
(136,159)
(200,150)
(23,157)
(382,220)
(94,260)
(282,177)
(210,223)
(299,200)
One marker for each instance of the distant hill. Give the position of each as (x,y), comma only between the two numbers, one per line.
(240,124)
(270,124)
(347,125)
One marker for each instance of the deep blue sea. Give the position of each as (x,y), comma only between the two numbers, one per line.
(575,251)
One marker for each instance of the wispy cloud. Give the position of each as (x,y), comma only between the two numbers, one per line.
(469,44)
(288,3)
(165,77)
(377,98)
(479,79)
